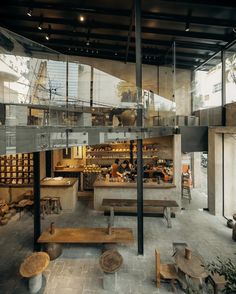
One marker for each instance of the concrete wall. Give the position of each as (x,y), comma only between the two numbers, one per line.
(157,79)
(229,175)
(215,175)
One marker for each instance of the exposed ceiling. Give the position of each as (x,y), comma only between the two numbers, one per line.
(200,28)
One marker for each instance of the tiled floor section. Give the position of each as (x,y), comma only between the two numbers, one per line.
(77,270)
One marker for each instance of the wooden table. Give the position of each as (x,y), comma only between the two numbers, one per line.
(193,267)
(131,203)
(87,235)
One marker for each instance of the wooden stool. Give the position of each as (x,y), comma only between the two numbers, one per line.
(32,268)
(218,282)
(48,204)
(56,204)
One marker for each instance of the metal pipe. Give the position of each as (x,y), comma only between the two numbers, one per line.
(140,124)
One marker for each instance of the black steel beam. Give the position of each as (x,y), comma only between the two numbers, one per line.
(37,220)
(125,13)
(48,159)
(138,53)
(116,26)
(218,3)
(95,36)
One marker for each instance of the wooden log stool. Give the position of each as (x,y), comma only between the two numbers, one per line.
(110,262)
(56,205)
(32,268)
(47,204)
(54,250)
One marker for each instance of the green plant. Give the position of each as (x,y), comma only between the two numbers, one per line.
(227,269)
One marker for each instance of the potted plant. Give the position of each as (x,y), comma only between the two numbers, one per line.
(227,269)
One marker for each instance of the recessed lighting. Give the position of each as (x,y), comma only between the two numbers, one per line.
(81,18)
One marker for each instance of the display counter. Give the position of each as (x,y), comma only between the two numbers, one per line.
(122,190)
(65,188)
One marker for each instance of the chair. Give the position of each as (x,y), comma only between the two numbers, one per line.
(218,282)
(186,187)
(56,205)
(165,271)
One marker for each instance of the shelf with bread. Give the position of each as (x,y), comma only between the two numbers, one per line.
(16,169)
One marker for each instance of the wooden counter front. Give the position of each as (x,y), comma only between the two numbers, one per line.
(121,190)
(66,189)
(70,169)
(128,185)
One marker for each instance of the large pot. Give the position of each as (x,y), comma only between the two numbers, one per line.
(128,117)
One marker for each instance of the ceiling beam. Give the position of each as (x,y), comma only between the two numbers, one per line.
(230,23)
(218,3)
(69,33)
(115,26)
(119,48)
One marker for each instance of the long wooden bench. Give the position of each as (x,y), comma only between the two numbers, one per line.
(88,235)
(166,205)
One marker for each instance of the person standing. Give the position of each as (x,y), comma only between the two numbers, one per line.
(114,168)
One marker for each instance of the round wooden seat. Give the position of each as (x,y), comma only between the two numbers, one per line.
(34,264)
(110,261)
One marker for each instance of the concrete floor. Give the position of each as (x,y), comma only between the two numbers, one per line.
(77,270)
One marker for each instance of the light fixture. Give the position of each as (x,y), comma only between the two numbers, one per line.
(87,42)
(40,25)
(187,27)
(48,36)
(29,12)
(234,30)
(81,18)
(115,53)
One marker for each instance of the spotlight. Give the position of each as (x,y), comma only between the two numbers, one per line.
(81,18)
(115,53)
(40,26)
(29,12)
(187,27)
(48,36)
(87,42)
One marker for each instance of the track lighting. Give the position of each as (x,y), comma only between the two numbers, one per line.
(48,36)
(40,25)
(29,12)
(187,27)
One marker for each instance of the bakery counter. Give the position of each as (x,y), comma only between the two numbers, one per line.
(65,188)
(122,190)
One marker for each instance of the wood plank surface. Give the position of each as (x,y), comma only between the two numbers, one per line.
(65,182)
(133,203)
(87,235)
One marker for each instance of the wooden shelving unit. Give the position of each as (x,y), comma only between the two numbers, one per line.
(16,169)
(106,154)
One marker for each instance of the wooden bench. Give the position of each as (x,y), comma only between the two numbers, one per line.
(88,235)
(132,203)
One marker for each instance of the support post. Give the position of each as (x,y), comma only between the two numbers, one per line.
(37,221)
(49,163)
(131,147)
(139,124)
(91,87)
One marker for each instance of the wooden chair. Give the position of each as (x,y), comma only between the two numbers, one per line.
(218,282)
(165,271)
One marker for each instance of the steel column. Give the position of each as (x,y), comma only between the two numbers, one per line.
(48,163)
(140,124)
(37,220)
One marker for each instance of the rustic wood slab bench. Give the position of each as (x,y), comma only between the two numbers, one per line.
(166,205)
(88,235)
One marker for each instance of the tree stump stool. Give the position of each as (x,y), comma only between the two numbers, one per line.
(56,205)
(110,262)
(32,268)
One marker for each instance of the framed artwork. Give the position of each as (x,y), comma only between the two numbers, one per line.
(66,153)
(78,152)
